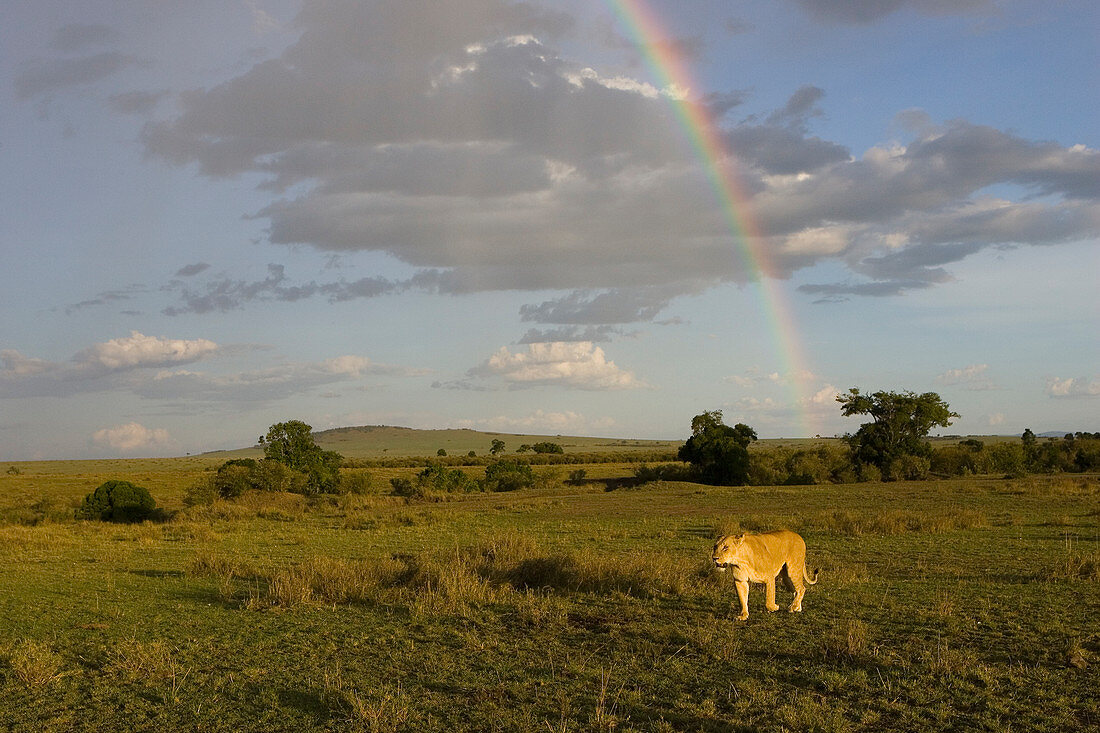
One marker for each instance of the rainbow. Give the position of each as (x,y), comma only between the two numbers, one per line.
(671,73)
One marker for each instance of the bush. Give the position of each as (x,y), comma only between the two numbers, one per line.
(241,474)
(234,477)
(118,501)
(508,476)
(450,480)
(908,468)
(547,447)
(274,476)
(402,486)
(577,476)
(201,494)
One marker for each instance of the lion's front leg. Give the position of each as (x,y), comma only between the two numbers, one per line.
(769,597)
(742,587)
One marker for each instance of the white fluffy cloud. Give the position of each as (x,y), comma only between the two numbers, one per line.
(578,365)
(1073,387)
(132,438)
(104,366)
(974,377)
(149,366)
(138,350)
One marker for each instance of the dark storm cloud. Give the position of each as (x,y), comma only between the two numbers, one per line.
(193,269)
(595,334)
(616,306)
(135,103)
(42,77)
(868,11)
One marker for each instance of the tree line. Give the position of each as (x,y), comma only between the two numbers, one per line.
(892,446)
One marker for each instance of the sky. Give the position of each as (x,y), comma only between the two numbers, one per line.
(578,218)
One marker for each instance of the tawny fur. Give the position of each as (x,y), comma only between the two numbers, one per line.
(761,558)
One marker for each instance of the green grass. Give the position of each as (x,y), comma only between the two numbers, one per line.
(944,605)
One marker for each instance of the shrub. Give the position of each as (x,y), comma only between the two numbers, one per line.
(577,476)
(234,477)
(547,447)
(241,474)
(402,486)
(508,476)
(203,493)
(908,467)
(274,476)
(118,501)
(440,478)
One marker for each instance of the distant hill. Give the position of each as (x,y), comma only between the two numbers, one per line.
(378,441)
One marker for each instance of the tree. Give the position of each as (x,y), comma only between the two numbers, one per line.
(118,501)
(718,452)
(894,442)
(291,443)
(497,447)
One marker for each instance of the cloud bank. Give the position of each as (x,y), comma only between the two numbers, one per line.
(132,438)
(151,367)
(476,151)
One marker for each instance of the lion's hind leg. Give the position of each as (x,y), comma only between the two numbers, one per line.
(798,586)
(785,574)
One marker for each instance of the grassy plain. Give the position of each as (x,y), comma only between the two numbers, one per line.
(945,605)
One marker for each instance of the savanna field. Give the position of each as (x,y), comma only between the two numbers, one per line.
(583,603)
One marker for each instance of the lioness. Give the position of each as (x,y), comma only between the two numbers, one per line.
(760,558)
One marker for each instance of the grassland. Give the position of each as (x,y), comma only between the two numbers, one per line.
(946,605)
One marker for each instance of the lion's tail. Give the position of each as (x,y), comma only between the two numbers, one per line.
(806,575)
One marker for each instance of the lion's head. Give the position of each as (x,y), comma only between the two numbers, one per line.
(725,550)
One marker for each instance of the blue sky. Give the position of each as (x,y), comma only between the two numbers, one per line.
(215,216)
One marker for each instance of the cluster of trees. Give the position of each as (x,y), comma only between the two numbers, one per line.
(502,475)
(292,462)
(497,447)
(892,446)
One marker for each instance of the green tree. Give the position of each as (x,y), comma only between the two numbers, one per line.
(496,447)
(118,501)
(718,452)
(895,441)
(291,443)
